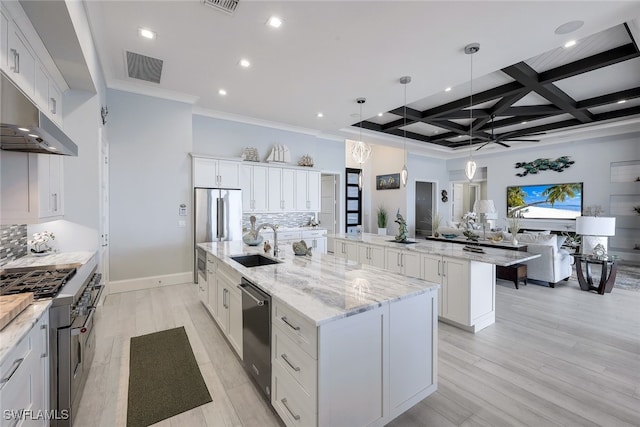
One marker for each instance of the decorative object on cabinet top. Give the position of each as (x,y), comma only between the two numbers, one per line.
(250,154)
(279,154)
(306,160)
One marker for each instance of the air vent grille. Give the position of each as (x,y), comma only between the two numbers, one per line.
(227,6)
(143,67)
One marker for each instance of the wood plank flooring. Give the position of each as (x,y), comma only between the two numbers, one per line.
(554,357)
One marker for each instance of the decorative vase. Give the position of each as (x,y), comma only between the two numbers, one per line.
(514,241)
(252,237)
(436,234)
(382,231)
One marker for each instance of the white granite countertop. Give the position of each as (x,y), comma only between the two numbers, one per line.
(19,327)
(56,258)
(322,287)
(502,257)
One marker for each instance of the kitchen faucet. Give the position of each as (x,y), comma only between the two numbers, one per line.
(276,250)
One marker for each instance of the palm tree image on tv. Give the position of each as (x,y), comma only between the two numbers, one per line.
(554,201)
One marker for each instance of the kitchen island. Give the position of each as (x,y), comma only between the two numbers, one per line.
(351,344)
(466,298)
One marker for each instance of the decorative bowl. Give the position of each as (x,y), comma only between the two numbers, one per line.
(449,236)
(252,239)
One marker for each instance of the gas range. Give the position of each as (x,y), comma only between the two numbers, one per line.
(43,281)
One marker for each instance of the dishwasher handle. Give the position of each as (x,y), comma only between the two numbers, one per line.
(245,286)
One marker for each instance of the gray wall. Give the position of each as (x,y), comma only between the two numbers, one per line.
(150,177)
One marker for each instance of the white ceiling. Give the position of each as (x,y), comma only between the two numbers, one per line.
(328,53)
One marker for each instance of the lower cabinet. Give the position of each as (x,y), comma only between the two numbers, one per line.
(345,249)
(25,377)
(371,255)
(404,262)
(362,370)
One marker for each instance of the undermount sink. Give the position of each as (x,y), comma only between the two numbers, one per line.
(255,260)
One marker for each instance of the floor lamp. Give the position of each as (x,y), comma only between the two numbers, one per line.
(595,231)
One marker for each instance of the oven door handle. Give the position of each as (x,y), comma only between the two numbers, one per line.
(82,329)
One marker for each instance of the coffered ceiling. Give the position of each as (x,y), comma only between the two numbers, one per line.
(328,53)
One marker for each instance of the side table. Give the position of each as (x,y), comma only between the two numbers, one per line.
(516,272)
(607,275)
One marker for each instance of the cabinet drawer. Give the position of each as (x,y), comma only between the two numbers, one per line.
(301,331)
(288,235)
(16,360)
(292,359)
(16,395)
(313,233)
(293,404)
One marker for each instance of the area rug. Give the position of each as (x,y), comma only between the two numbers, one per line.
(164,378)
(628,277)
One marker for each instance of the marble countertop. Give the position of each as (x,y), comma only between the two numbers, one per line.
(56,258)
(322,287)
(19,327)
(501,257)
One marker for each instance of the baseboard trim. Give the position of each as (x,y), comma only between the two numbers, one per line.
(149,282)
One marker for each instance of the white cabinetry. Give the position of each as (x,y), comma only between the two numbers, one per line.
(25,376)
(307,190)
(404,262)
(212,284)
(229,306)
(21,61)
(282,193)
(4,39)
(32,187)
(255,187)
(467,294)
(316,239)
(215,173)
(371,255)
(346,249)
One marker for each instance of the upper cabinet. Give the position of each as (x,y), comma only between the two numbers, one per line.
(281,189)
(215,173)
(31,187)
(307,190)
(24,61)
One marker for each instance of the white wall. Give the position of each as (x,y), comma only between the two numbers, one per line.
(150,139)
(385,160)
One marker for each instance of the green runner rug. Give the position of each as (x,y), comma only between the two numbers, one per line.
(164,378)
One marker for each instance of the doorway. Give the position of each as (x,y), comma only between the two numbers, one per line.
(464,197)
(329,209)
(424,208)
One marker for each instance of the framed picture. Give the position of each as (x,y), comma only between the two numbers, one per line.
(388,182)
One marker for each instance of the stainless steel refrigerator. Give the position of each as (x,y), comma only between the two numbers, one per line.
(217,217)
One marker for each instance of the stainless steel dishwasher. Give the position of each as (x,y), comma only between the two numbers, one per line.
(256,335)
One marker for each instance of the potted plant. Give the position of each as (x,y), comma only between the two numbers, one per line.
(435,224)
(382,221)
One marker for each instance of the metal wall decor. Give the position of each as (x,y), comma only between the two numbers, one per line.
(445,196)
(388,182)
(538,165)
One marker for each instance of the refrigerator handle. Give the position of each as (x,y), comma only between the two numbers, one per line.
(221,218)
(219,202)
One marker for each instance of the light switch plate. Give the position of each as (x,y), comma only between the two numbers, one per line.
(182,224)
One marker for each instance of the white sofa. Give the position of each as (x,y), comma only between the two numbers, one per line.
(554,264)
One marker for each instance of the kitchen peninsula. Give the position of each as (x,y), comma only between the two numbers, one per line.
(351,344)
(466,298)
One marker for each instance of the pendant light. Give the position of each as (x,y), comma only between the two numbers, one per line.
(470,167)
(360,151)
(404,174)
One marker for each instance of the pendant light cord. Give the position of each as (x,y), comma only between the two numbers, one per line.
(471,114)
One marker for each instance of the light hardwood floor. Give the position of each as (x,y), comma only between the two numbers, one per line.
(554,357)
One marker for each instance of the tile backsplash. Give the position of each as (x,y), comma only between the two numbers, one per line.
(13,242)
(283,219)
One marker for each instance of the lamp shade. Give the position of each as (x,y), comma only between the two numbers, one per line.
(484,206)
(596,226)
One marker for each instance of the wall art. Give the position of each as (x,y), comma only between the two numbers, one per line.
(388,182)
(538,165)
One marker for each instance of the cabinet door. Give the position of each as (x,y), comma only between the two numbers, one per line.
(340,249)
(246,187)
(18,187)
(274,199)
(4,46)
(40,373)
(228,174)
(50,186)
(456,291)
(393,260)
(234,301)
(42,88)
(376,256)
(55,103)
(212,282)
(351,251)
(21,62)
(411,264)
(204,173)
(223,313)
(313,191)
(302,183)
(432,272)
(363,254)
(320,245)
(260,191)
(288,189)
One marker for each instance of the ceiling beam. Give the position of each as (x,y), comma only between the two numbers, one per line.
(499,107)
(528,77)
(610,98)
(532,110)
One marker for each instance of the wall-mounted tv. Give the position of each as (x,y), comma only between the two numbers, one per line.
(551,201)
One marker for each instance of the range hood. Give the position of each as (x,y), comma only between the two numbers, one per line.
(25,128)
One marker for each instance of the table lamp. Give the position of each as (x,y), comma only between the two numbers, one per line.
(595,231)
(486,208)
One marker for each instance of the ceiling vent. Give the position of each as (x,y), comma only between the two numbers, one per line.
(144,67)
(227,6)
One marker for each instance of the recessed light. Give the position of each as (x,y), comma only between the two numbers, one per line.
(320,115)
(51,148)
(448,89)
(569,27)
(380,114)
(245,63)
(274,22)
(569,44)
(523,123)
(147,34)
(24,129)
(622,101)
(33,136)
(222,92)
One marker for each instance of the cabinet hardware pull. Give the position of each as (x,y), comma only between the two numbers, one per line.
(16,365)
(401,260)
(284,402)
(46,341)
(295,328)
(286,359)
(439,267)
(54,106)
(444,266)
(16,61)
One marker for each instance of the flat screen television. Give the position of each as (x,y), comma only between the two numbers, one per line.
(550,201)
